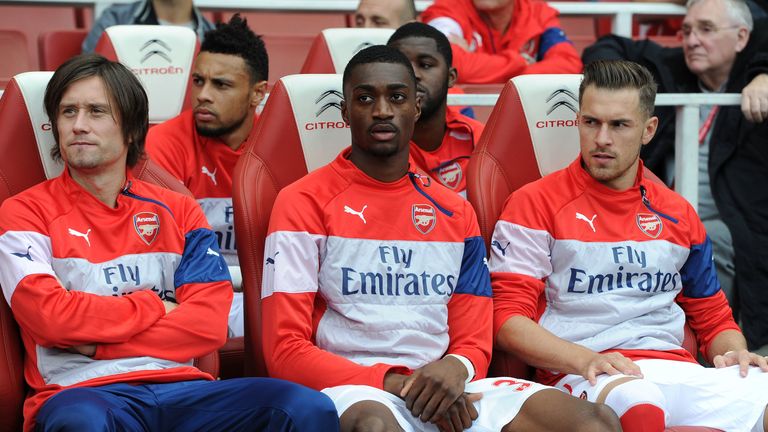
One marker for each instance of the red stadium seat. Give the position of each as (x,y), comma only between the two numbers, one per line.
(16,59)
(286,53)
(300,129)
(161,56)
(539,111)
(35,18)
(25,142)
(57,46)
(333,48)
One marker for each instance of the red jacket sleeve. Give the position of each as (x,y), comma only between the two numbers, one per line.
(204,292)
(470,310)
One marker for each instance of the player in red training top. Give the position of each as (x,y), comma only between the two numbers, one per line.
(596,269)
(117,285)
(444,139)
(201,146)
(495,40)
(376,287)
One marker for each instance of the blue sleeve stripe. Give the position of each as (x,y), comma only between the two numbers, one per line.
(698,273)
(474,277)
(551,37)
(202,261)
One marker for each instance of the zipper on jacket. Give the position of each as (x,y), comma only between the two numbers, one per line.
(647,204)
(127,192)
(413,176)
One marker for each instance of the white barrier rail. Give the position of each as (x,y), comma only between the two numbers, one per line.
(621,12)
(686,127)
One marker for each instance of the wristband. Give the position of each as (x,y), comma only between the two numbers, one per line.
(467,364)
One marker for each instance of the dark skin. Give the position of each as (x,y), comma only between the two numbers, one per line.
(433,78)
(381,108)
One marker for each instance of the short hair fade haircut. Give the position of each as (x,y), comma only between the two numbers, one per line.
(236,38)
(378,54)
(127,99)
(418,29)
(618,75)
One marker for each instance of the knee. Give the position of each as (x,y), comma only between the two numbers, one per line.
(369,423)
(308,409)
(598,418)
(633,393)
(72,410)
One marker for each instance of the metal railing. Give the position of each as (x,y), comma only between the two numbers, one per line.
(686,128)
(620,12)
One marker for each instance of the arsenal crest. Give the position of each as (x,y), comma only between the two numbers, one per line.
(450,175)
(147,226)
(649,224)
(424,217)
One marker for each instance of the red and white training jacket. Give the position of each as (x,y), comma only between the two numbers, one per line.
(609,270)
(362,277)
(206,166)
(78,272)
(448,163)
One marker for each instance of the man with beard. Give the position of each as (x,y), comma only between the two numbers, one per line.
(200,147)
(378,292)
(444,138)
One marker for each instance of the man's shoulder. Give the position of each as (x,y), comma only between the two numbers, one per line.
(172,136)
(180,126)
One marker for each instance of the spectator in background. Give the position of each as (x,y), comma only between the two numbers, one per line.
(444,138)
(495,40)
(201,146)
(720,53)
(152,12)
(384,13)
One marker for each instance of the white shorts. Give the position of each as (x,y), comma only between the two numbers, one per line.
(236,321)
(502,400)
(695,395)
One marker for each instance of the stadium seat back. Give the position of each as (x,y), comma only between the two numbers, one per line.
(333,48)
(25,141)
(300,129)
(15,49)
(57,46)
(532,131)
(161,56)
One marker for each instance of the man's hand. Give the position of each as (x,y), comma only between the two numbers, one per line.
(743,358)
(432,389)
(86,350)
(393,383)
(754,99)
(461,414)
(169,306)
(612,363)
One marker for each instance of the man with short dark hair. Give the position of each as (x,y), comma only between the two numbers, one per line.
(378,291)
(603,268)
(444,137)
(384,13)
(117,284)
(722,51)
(201,146)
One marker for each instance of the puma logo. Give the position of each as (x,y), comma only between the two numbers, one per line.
(212,252)
(212,175)
(79,234)
(580,216)
(497,245)
(26,255)
(349,210)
